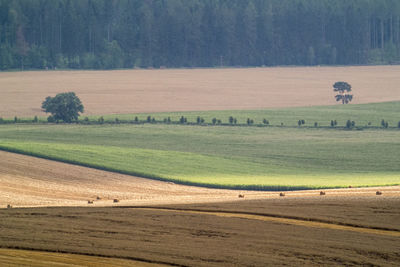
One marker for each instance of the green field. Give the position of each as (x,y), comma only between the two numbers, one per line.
(228,157)
(362,114)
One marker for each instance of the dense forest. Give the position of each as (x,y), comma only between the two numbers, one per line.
(106,34)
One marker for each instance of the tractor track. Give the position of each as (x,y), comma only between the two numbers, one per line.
(285,219)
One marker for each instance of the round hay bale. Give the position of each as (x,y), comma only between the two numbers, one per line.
(282,194)
(241,196)
(378,193)
(115,200)
(322,193)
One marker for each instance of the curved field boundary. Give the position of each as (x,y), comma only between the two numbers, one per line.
(164,179)
(15,256)
(252,187)
(293,220)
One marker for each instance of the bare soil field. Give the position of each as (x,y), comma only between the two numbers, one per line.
(31,182)
(139,91)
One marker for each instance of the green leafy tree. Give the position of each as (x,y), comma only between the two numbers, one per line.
(64,106)
(343,89)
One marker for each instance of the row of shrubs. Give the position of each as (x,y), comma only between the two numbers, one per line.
(183,120)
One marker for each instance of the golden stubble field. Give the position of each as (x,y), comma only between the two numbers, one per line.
(136,91)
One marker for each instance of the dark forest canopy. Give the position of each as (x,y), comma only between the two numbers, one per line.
(106,34)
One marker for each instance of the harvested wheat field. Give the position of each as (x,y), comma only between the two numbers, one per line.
(295,232)
(135,91)
(28,181)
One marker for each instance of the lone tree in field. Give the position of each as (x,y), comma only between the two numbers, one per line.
(64,106)
(343,89)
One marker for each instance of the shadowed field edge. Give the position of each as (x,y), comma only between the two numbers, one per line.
(133,259)
(177,181)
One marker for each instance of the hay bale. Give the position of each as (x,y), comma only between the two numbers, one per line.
(350,186)
(282,194)
(98,198)
(9,206)
(322,193)
(241,196)
(378,193)
(90,201)
(115,200)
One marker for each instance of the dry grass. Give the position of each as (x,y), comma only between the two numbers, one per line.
(134,91)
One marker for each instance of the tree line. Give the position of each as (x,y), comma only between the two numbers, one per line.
(108,34)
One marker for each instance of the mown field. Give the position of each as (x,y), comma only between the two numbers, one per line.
(270,158)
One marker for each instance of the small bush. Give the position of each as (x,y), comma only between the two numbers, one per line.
(136,119)
(348,124)
(398,124)
(250,121)
(51,119)
(369,123)
(265,121)
(116,120)
(35,119)
(148,118)
(231,120)
(214,121)
(153,120)
(86,119)
(299,123)
(169,120)
(101,120)
(332,123)
(234,121)
(384,124)
(353,123)
(315,124)
(200,120)
(15,119)
(183,120)
(2,121)
(219,121)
